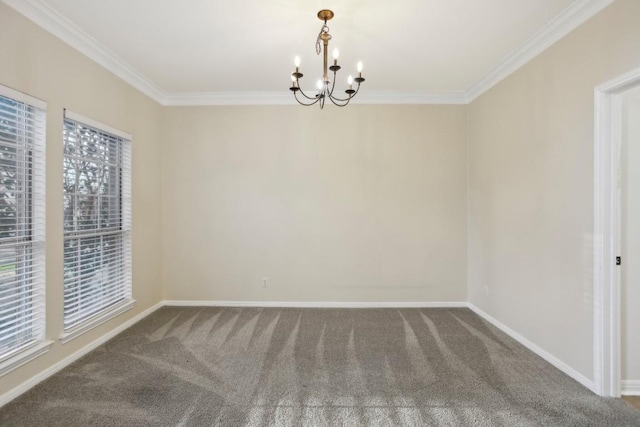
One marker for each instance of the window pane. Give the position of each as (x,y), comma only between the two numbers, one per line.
(8,120)
(15,298)
(95,276)
(21,278)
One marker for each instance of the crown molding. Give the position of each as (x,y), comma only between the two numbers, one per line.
(368,97)
(285,98)
(49,19)
(46,17)
(227,98)
(571,18)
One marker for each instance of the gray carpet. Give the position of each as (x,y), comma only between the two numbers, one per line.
(313,367)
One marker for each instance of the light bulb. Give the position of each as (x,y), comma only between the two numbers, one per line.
(319,84)
(336,53)
(350,80)
(297,61)
(360,66)
(293,79)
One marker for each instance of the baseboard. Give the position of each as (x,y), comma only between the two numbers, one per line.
(537,350)
(630,387)
(33,381)
(316,304)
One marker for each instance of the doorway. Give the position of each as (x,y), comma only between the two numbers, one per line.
(608,242)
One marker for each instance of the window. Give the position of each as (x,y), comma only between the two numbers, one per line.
(97,222)
(22,305)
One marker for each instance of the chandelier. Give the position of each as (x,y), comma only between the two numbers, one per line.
(325,86)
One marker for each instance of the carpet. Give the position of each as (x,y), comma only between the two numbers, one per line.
(313,367)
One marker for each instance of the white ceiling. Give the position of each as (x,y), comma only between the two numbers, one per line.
(178,51)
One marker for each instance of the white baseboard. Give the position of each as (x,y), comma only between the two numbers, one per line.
(33,381)
(630,387)
(537,350)
(315,304)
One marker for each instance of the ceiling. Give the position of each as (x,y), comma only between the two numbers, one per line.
(209,51)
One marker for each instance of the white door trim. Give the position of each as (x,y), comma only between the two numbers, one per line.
(606,280)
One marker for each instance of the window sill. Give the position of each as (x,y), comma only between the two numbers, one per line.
(97,320)
(25,355)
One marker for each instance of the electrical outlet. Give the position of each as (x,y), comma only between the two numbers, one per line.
(265,282)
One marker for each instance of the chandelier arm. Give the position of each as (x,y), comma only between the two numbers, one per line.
(333,84)
(339,101)
(295,95)
(311,98)
(343,100)
(337,104)
(350,98)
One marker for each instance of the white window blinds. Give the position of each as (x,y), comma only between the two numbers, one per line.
(97,221)
(22,198)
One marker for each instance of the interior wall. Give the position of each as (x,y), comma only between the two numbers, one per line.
(531,186)
(630,238)
(37,63)
(366,203)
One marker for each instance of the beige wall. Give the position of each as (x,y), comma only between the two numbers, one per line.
(37,63)
(630,241)
(531,186)
(366,203)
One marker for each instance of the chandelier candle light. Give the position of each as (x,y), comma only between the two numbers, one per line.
(325,86)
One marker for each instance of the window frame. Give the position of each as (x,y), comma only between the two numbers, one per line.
(109,311)
(32,174)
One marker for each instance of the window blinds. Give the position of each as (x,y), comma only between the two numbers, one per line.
(97,221)
(22,221)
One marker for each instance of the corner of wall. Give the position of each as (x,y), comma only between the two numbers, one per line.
(467,138)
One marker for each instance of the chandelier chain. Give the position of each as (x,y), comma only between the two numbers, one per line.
(323,30)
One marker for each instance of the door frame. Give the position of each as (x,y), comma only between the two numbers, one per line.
(606,236)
